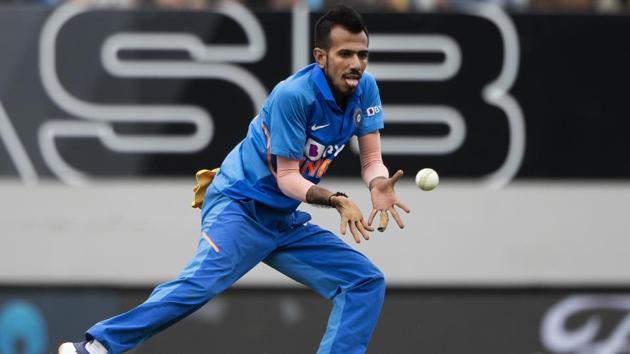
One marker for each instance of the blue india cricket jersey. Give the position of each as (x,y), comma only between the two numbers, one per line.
(300,120)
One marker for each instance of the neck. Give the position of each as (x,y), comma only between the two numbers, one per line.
(340,98)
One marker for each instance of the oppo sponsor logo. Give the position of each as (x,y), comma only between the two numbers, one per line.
(564,330)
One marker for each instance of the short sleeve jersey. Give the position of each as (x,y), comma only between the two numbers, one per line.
(300,120)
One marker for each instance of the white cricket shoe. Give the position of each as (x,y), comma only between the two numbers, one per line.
(91,347)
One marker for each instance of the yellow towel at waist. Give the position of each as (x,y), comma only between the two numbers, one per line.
(204,178)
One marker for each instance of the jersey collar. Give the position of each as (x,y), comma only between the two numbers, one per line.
(318,76)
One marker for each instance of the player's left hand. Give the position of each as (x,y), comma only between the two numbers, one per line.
(384,199)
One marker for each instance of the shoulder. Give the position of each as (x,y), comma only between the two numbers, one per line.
(368,81)
(369,89)
(295,91)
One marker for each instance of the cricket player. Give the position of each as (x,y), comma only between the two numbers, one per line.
(249,210)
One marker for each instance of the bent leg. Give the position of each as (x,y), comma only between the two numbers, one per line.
(319,259)
(230,246)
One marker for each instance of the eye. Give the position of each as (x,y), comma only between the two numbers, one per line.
(363,55)
(345,53)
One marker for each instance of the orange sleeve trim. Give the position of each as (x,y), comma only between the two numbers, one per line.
(269,164)
(212,244)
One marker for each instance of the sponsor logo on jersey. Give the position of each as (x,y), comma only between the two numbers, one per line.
(373,110)
(313,150)
(318,127)
(317,158)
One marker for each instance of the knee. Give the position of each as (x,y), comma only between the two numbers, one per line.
(374,282)
(379,283)
(369,289)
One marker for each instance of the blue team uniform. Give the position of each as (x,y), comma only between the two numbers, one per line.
(246,219)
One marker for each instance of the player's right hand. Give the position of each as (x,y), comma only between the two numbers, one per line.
(351,216)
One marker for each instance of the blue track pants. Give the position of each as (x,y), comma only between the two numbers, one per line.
(237,235)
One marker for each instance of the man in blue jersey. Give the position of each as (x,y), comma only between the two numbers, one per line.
(249,210)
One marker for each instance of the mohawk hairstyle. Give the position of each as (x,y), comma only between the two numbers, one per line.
(339,15)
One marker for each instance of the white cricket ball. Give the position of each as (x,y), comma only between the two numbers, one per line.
(427,179)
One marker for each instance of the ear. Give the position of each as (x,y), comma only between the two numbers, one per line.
(320,57)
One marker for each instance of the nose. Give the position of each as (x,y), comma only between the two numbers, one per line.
(355,62)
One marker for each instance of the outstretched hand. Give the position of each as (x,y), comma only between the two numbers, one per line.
(384,199)
(351,216)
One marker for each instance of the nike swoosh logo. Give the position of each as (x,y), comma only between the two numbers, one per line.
(318,127)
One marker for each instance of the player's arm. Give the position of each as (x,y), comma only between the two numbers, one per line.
(381,186)
(293,185)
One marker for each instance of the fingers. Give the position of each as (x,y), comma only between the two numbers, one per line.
(362,229)
(344,224)
(384,220)
(366,225)
(351,215)
(402,206)
(355,232)
(371,218)
(397,176)
(399,221)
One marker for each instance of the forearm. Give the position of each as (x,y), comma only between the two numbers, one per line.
(290,182)
(372,166)
(320,196)
(293,185)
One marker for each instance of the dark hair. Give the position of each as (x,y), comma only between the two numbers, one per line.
(339,15)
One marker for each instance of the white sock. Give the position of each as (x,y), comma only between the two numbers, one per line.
(95,347)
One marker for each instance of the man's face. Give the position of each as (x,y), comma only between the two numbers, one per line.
(345,60)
